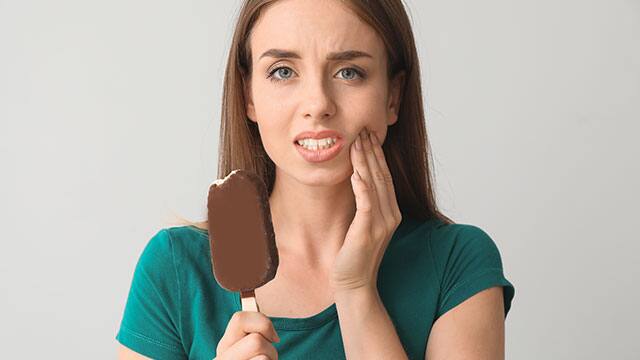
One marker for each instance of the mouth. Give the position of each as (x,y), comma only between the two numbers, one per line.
(319,151)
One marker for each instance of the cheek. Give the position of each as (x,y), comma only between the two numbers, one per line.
(272,104)
(272,118)
(366,109)
(273,140)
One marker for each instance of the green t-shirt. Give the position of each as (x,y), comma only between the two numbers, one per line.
(177,310)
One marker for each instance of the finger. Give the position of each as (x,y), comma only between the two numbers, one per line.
(260,357)
(360,190)
(379,179)
(250,346)
(360,164)
(243,323)
(385,177)
(363,202)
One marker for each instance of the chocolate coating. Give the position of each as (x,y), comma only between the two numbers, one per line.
(244,255)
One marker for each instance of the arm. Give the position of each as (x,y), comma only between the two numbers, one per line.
(151,316)
(472,330)
(367,330)
(124,353)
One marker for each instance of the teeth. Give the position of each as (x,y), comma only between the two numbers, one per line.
(312,144)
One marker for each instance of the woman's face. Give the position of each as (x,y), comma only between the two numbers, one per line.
(290,95)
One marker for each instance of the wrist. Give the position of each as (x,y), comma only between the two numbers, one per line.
(359,293)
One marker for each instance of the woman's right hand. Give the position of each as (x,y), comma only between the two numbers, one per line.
(248,336)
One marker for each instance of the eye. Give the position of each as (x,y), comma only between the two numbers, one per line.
(352,71)
(345,71)
(271,77)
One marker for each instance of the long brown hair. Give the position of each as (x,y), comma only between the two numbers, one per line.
(406,146)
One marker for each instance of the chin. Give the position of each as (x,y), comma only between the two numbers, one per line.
(323,176)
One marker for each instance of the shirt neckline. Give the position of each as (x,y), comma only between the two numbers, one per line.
(330,313)
(327,315)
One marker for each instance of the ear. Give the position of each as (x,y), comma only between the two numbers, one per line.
(395,97)
(250,108)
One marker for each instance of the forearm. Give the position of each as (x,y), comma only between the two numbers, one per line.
(367,330)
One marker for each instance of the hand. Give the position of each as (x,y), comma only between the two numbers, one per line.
(248,337)
(376,219)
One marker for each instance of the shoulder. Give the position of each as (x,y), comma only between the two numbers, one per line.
(185,235)
(457,231)
(446,239)
(443,236)
(170,245)
(467,260)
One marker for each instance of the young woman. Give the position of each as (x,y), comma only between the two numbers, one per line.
(369,268)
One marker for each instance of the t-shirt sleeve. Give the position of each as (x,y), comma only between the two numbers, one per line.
(469,262)
(151,321)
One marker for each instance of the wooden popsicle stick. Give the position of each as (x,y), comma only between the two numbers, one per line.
(248,300)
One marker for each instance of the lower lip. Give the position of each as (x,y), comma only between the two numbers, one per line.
(320,155)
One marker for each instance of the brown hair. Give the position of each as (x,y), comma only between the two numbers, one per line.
(406,146)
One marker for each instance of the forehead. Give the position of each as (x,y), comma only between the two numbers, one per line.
(313,28)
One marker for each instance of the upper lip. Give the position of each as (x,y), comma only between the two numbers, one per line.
(317,135)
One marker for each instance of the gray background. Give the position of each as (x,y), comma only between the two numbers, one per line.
(109,116)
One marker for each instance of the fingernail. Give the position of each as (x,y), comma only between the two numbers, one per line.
(374,138)
(365,139)
(358,144)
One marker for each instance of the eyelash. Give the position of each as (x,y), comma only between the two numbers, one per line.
(361,74)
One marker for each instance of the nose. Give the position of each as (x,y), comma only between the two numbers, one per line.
(318,100)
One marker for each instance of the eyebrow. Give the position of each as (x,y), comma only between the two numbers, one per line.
(341,55)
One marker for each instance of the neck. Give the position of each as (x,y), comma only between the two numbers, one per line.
(311,221)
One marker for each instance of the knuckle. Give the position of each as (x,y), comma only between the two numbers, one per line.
(379,176)
(264,328)
(238,320)
(391,225)
(371,186)
(395,226)
(236,317)
(255,341)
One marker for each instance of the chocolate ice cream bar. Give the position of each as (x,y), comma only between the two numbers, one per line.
(244,255)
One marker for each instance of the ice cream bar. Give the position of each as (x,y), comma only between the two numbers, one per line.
(244,255)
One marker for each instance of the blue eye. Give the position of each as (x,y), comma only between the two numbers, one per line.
(271,77)
(352,70)
(275,79)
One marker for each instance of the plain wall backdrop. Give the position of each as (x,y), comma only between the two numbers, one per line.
(109,120)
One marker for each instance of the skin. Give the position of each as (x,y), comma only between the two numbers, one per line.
(313,205)
(335,218)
